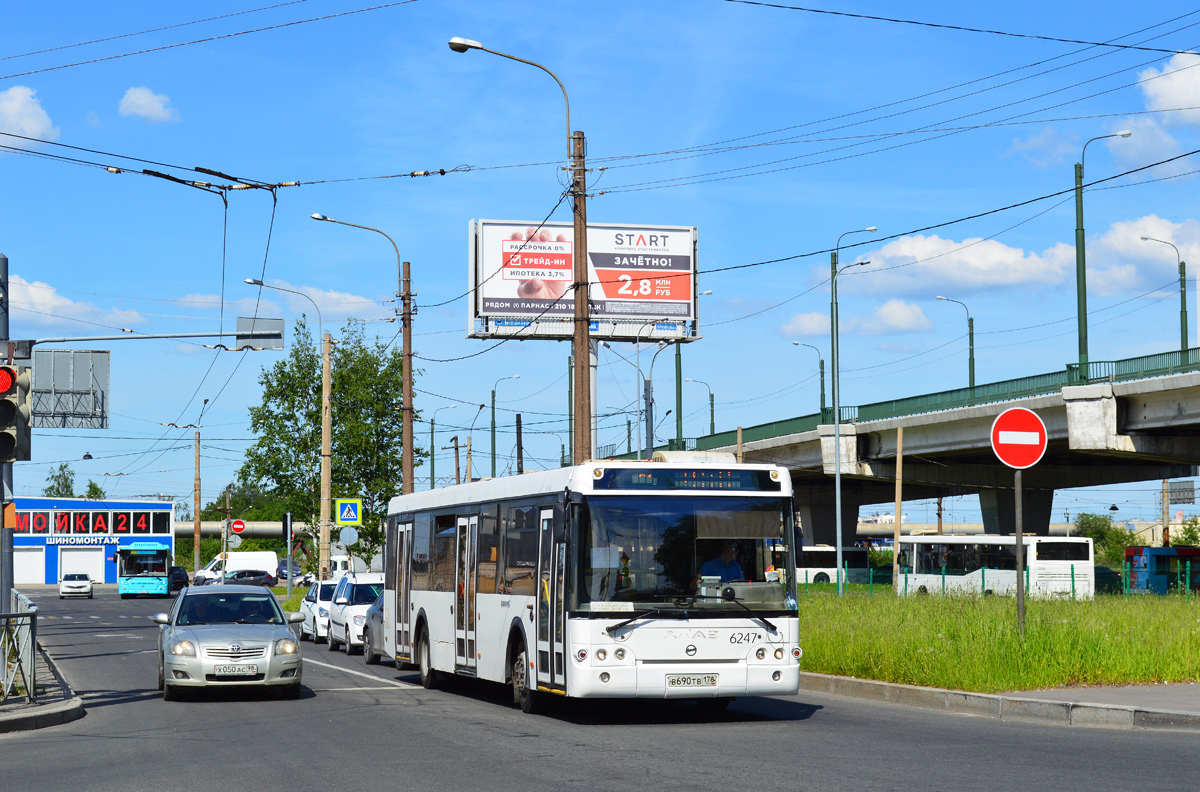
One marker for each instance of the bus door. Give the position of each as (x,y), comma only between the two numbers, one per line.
(403,596)
(464,586)
(551,617)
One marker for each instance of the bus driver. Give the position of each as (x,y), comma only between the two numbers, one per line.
(725,565)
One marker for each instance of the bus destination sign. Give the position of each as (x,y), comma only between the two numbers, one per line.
(686,479)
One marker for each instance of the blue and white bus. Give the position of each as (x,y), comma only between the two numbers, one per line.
(142,569)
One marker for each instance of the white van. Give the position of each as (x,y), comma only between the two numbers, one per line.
(266,560)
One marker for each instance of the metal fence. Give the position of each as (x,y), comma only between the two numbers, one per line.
(18,649)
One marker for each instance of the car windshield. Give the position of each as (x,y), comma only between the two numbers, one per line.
(229,608)
(364,593)
(650,551)
(326,592)
(75,576)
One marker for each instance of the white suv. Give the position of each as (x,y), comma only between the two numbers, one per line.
(353,596)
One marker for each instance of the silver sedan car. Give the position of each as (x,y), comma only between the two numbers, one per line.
(227,636)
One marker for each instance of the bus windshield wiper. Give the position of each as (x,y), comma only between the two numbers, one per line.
(612,628)
(728,595)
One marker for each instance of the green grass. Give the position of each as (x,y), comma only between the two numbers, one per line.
(291,603)
(972,643)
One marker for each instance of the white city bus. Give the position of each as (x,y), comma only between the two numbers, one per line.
(1055,565)
(586,582)
(818,564)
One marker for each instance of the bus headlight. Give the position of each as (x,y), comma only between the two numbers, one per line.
(761,653)
(620,653)
(779,653)
(601,654)
(286,646)
(182,648)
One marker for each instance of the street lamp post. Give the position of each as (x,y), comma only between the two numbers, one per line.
(195,495)
(649,399)
(470,434)
(497,382)
(712,410)
(581,338)
(679,382)
(1081,257)
(407,485)
(970,340)
(432,446)
(326,428)
(837,417)
(1183,328)
(638,398)
(820,370)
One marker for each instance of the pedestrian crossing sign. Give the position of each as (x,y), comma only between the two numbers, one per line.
(349,511)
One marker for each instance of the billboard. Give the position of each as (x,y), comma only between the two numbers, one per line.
(642,280)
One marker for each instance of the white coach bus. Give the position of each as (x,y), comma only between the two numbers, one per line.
(608,579)
(1055,565)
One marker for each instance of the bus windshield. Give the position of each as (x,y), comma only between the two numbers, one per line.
(643,551)
(143,564)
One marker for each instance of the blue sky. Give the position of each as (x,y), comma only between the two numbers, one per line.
(773,131)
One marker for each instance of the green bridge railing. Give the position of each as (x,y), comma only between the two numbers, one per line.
(1158,365)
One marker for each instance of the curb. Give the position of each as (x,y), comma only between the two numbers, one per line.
(1008,708)
(39,716)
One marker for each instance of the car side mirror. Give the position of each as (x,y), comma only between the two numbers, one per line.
(341,601)
(160,618)
(310,599)
(294,618)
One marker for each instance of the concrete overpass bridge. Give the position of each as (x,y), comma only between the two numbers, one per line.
(1128,420)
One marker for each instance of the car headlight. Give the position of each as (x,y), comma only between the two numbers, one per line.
(323,613)
(358,621)
(286,646)
(182,648)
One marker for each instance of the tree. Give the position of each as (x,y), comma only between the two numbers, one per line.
(366,452)
(94,492)
(1189,534)
(1109,540)
(60,482)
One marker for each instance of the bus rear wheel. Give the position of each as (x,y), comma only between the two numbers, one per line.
(429,677)
(523,696)
(821,577)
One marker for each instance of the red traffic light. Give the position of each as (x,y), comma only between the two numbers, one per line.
(8,380)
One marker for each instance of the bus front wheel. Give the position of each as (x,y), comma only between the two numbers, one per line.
(429,677)
(523,696)
(821,577)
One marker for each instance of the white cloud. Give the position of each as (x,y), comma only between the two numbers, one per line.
(807,324)
(22,114)
(1046,148)
(1150,142)
(41,304)
(894,316)
(144,103)
(1177,84)
(923,265)
(334,305)
(1120,262)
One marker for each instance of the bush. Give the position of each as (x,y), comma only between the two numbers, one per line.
(1110,540)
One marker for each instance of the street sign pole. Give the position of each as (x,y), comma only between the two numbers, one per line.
(1019,440)
(288,561)
(1020,556)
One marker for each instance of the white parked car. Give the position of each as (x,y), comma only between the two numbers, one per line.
(75,584)
(315,608)
(353,596)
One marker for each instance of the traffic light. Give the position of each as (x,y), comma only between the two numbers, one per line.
(15,413)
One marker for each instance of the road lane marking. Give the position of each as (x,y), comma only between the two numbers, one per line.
(372,677)
(340,690)
(116,635)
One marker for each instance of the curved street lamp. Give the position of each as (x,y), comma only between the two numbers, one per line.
(432,447)
(970,339)
(584,434)
(837,417)
(497,382)
(1183,328)
(712,410)
(1081,257)
(820,371)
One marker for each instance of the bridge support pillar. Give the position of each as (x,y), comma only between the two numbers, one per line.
(814,505)
(1000,511)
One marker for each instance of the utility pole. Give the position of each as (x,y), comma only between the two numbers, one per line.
(196,510)
(581,342)
(469,479)
(939,515)
(225,530)
(406,409)
(679,395)
(326,451)
(520,448)
(454,441)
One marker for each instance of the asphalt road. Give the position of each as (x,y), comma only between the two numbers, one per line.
(374,728)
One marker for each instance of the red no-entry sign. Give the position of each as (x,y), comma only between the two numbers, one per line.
(1019,438)
(237,526)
